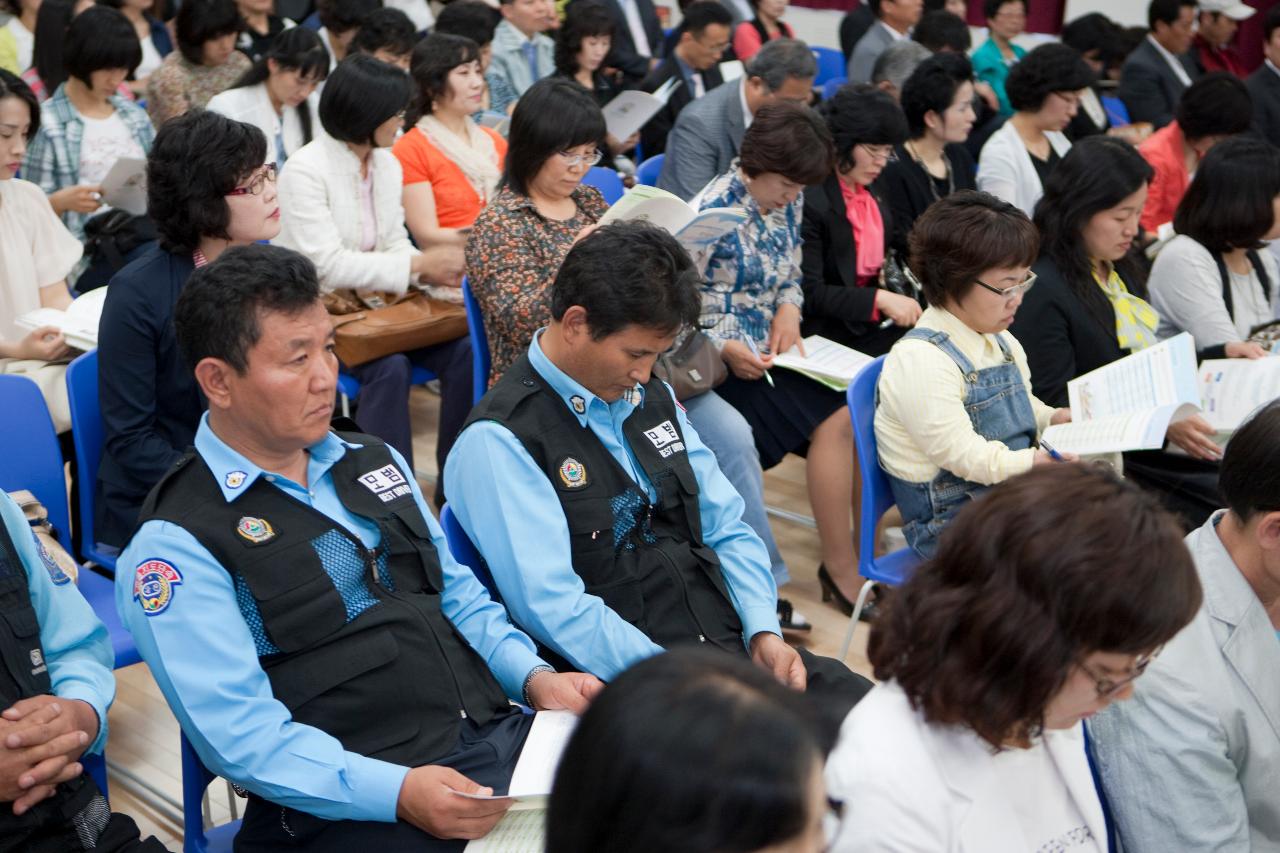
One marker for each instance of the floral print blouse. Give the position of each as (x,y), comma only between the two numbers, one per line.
(752,270)
(513,255)
(178,85)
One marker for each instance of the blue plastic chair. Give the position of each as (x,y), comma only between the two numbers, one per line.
(349,386)
(607,181)
(88,434)
(647,172)
(1117,112)
(480,359)
(465,552)
(195,779)
(96,767)
(877,497)
(831,64)
(832,86)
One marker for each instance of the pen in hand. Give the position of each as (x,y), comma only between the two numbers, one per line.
(1053,454)
(751,345)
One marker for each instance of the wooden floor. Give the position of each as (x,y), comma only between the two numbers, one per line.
(144,734)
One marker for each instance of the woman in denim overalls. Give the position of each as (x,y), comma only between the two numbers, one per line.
(973,254)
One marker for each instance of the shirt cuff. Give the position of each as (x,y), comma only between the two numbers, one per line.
(375,788)
(791,295)
(86,694)
(759,619)
(1020,462)
(512,666)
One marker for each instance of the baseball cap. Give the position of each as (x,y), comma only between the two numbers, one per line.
(1233,9)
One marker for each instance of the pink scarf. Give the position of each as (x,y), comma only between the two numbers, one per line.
(868,231)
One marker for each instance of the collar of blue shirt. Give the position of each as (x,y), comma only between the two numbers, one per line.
(235,473)
(568,387)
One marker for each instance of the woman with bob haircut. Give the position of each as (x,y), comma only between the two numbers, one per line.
(452,164)
(1044,91)
(340,204)
(1088,307)
(847,225)
(85,126)
(991,656)
(934,162)
(207,190)
(540,211)
(277,95)
(1211,280)
(205,63)
(582,44)
(955,412)
(691,751)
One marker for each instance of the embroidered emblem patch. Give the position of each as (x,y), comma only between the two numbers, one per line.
(665,438)
(255,531)
(153,584)
(579,404)
(235,479)
(573,473)
(37,661)
(56,574)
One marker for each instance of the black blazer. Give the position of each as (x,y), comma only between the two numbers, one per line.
(854,26)
(1264,89)
(1149,87)
(834,305)
(622,52)
(907,189)
(653,136)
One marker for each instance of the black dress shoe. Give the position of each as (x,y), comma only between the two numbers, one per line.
(790,619)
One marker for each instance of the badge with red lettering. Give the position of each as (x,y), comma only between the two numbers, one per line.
(153,584)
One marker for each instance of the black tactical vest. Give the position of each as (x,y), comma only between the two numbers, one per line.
(646,560)
(393,682)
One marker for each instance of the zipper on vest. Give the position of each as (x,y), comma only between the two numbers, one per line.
(684,591)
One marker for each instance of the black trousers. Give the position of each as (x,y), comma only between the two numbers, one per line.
(485,754)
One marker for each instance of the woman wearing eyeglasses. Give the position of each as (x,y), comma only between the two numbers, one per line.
(991,656)
(956,413)
(207,190)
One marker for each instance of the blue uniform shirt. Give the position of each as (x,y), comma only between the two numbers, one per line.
(510,510)
(203,657)
(76,647)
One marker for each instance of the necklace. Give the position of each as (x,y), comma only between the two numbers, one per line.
(929,177)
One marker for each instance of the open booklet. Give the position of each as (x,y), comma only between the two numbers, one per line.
(693,229)
(78,324)
(1232,389)
(825,361)
(632,109)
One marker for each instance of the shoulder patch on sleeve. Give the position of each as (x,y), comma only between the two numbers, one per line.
(56,574)
(153,585)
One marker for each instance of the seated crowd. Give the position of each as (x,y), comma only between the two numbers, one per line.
(297,211)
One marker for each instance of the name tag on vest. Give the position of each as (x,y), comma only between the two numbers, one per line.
(665,439)
(387,483)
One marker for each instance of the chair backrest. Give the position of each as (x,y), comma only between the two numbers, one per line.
(88,434)
(1117,112)
(831,63)
(195,778)
(480,361)
(647,172)
(877,496)
(607,181)
(830,87)
(465,552)
(33,460)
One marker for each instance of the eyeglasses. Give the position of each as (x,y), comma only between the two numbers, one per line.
(1072,98)
(880,153)
(572,160)
(1010,292)
(257,182)
(1111,686)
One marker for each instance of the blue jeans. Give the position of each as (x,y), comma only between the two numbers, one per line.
(727,434)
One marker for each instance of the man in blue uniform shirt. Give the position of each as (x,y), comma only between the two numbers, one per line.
(298,607)
(609,529)
(55,687)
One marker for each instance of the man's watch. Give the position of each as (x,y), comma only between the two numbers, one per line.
(528,679)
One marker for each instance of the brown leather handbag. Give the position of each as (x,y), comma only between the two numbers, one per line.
(367,328)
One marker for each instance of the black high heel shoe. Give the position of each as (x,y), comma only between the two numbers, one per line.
(831,593)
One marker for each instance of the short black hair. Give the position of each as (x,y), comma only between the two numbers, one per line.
(1166,11)
(361,94)
(991,8)
(218,312)
(554,115)
(296,49)
(100,38)
(789,140)
(385,29)
(1249,476)
(13,86)
(942,30)
(1271,22)
(1218,104)
(433,59)
(932,87)
(628,274)
(861,114)
(702,14)
(48,54)
(340,16)
(199,21)
(471,19)
(1088,32)
(582,19)
(1047,69)
(1230,202)
(195,160)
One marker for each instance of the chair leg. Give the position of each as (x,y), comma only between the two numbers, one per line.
(346,406)
(853,620)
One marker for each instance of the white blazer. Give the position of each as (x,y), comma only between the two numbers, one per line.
(252,105)
(909,786)
(1005,169)
(321,217)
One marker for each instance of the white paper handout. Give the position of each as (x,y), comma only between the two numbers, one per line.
(125,186)
(1232,389)
(825,361)
(78,324)
(695,230)
(519,831)
(631,110)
